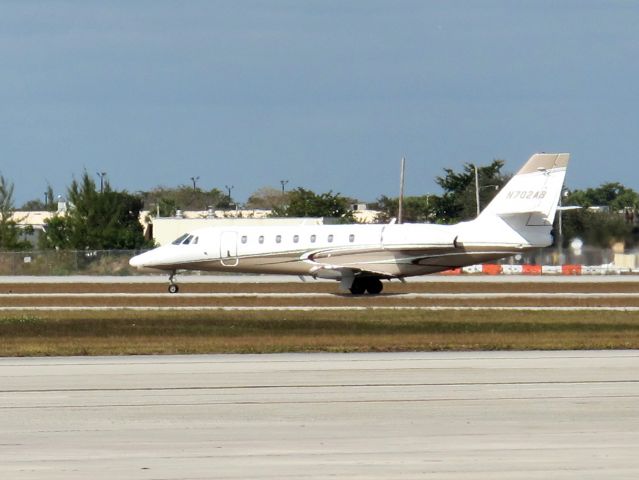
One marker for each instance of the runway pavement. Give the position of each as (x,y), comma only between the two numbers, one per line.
(498,415)
(250,278)
(534,295)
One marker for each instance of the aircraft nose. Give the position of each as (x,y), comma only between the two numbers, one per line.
(137,261)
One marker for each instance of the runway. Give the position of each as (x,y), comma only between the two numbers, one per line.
(261,279)
(534,294)
(434,308)
(476,415)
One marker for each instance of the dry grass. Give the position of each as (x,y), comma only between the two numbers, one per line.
(178,301)
(176,332)
(323,287)
(117,333)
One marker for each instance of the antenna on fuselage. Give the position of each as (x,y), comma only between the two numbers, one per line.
(401,190)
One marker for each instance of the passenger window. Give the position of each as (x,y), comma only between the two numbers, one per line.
(313,238)
(261,239)
(278,239)
(244,238)
(180,239)
(351,238)
(330,238)
(296,238)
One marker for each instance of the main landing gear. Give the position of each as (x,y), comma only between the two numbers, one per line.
(173,287)
(372,285)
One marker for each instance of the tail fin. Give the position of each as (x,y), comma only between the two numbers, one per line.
(534,190)
(527,204)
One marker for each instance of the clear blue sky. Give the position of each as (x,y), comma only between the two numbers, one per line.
(326,94)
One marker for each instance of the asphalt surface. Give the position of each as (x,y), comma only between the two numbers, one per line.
(251,296)
(195,278)
(499,415)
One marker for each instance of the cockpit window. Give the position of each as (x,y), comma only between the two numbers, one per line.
(185,240)
(180,239)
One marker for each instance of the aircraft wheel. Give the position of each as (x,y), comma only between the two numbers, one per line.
(358,287)
(374,286)
(173,288)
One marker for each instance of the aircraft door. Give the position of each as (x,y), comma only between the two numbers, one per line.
(228,249)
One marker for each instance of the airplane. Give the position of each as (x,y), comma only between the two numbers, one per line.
(518,219)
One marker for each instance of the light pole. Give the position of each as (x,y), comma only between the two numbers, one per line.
(194,180)
(283,182)
(478,188)
(560,224)
(400,208)
(101,175)
(228,189)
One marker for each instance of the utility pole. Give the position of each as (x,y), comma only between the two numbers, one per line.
(283,182)
(477,189)
(101,175)
(401,191)
(560,222)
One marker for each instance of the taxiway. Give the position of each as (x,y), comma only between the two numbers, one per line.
(500,415)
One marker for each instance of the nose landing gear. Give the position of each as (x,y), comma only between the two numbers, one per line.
(173,287)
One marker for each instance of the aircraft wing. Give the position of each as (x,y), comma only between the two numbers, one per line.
(337,271)
(378,262)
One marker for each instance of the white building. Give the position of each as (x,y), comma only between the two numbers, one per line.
(164,230)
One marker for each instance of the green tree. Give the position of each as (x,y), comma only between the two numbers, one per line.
(306,203)
(184,197)
(267,198)
(168,207)
(596,229)
(37,205)
(11,237)
(95,220)
(612,194)
(458,201)
(416,209)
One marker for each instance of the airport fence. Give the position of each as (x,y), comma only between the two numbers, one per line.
(116,262)
(67,262)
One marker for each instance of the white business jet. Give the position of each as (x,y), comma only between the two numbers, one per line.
(518,219)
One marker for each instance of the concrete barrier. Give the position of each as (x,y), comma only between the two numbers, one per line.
(571,269)
(452,271)
(568,269)
(472,269)
(491,269)
(593,270)
(512,269)
(531,269)
(551,269)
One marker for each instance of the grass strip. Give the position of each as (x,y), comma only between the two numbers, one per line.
(326,287)
(118,333)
